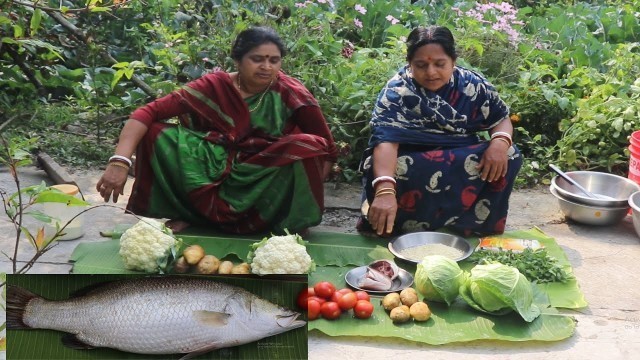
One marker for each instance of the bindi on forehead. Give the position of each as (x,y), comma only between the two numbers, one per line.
(264,56)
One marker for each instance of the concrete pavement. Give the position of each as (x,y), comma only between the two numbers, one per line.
(605,261)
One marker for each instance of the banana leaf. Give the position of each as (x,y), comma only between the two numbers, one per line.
(337,253)
(455,323)
(46,344)
(326,248)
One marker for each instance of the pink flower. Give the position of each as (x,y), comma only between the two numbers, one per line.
(357,23)
(359,8)
(347,49)
(392,19)
(301,5)
(205,59)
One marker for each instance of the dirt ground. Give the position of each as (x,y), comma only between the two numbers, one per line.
(604,260)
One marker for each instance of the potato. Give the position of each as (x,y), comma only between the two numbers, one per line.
(225,267)
(408,296)
(193,254)
(243,268)
(181,266)
(400,314)
(208,265)
(391,301)
(420,311)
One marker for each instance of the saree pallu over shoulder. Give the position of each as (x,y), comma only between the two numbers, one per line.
(216,106)
(226,167)
(407,113)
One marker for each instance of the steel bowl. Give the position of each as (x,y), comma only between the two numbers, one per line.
(634,202)
(409,240)
(590,215)
(612,191)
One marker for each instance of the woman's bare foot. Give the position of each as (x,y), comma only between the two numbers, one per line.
(176,225)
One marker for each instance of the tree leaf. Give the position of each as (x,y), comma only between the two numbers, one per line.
(36,18)
(39,240)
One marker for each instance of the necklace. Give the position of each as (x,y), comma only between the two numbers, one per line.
(264,92)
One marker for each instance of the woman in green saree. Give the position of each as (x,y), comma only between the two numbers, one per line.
(249,155)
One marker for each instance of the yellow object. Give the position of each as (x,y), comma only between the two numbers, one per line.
(119,164)
(62,214)
(515,245)
(67,189)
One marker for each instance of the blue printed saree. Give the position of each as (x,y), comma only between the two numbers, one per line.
(439,146)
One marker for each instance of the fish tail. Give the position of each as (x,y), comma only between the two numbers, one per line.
(17,301)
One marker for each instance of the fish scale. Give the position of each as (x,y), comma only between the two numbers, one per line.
(162,315)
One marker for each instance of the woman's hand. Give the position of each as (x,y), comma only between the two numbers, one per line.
(382,213)
(493,164)
(112,182)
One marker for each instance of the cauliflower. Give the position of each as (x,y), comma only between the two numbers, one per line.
(280,255)
(146,246)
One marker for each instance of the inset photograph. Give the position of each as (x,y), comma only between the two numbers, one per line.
(155,317)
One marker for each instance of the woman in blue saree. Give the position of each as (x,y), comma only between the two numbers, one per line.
(427,166)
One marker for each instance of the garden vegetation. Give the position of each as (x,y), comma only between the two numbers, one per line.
(71,71)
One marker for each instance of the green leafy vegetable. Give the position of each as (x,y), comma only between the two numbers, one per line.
(535,265)
(499,289)
(438,278)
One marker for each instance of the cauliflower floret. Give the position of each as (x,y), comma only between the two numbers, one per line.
(280,255)
(146,246)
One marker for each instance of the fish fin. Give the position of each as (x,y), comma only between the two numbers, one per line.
(197,353)
(211,318)
(102,286)
(89,288)
(72,341)
(17,301)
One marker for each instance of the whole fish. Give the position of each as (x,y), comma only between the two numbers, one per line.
(154,315)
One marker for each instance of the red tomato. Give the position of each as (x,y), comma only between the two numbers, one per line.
(313,309)
(347,301)
(363,309)
(324,289)
(345,291)
(303,296)
(335,297)
(330,310)
(316,298)
(362,295)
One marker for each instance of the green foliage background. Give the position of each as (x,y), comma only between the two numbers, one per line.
(568,69)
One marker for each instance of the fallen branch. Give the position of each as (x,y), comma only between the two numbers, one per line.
(15,117)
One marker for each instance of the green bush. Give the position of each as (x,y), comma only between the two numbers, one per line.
(565,68)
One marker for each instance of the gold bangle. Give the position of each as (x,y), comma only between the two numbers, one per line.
(503,139)
(119,164)
(386,188)
(385,191)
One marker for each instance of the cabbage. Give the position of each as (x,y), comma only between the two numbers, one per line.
(498,289)
(438,278)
